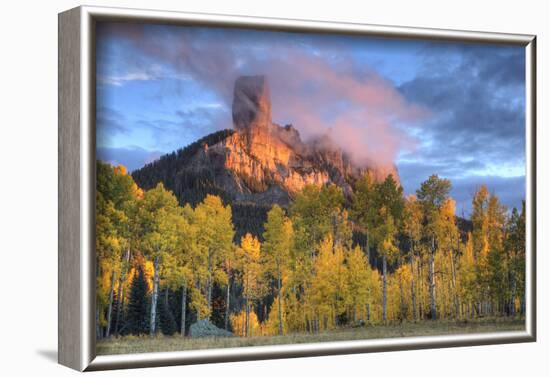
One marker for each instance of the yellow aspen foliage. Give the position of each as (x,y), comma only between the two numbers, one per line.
(295,309)
(399,293)
(238,324)
(312,272)
(358,285)
(467,282)
(278,237)
(272,326)
(327,293)
(249,259)
(249,263)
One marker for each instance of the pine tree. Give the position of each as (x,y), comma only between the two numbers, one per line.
(515,250)
(385,219)
(137,321)
(167,322)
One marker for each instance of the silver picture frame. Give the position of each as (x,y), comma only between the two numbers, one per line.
(76,268)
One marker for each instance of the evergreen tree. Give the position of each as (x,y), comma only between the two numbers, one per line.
(137,316)
(167,322)
(385,219)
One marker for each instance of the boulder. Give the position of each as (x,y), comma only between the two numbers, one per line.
(204,328)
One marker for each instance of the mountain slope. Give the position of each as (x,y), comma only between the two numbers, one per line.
(256,165)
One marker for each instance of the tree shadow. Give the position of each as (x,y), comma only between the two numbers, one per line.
(50,354)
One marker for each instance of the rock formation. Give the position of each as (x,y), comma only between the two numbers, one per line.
(252,105)
(260,162)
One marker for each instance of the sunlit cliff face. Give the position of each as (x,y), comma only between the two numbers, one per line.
(267,152)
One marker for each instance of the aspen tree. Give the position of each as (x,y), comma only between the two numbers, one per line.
(412,228)
(278,240)
(249,264)
(159,211)
(214,240)
(432,193)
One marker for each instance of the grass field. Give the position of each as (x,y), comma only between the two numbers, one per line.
(140,344)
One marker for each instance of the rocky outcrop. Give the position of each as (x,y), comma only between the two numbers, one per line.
(276,155)
(204,328)
(251,105)
(260,162)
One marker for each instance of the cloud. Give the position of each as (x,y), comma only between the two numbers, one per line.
(109,123)
(187,123)
(119,80)
(457,112)
(478,105)
(477,132)
(316,85)
(155,72)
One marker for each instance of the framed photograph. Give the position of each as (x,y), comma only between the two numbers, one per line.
(235,188)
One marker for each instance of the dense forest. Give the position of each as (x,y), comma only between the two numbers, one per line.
(327,261)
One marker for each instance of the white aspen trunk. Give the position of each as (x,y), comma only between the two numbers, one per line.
(154,298)
(421,289)
(247,318)
(279,302)
(118,306)
(433,307)
(367,248)
(337,298)
(513,298)
(413,287)
(110,309)
(384,290)
(455,290)
(227,297)
(183,307)
(402,302)
(120,294)
(119,312)
(243,325)
(198,287)
(97,326)
(209,285)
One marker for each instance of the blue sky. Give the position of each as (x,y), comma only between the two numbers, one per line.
(452,109)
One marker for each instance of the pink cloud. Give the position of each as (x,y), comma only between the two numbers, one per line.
(319,92)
